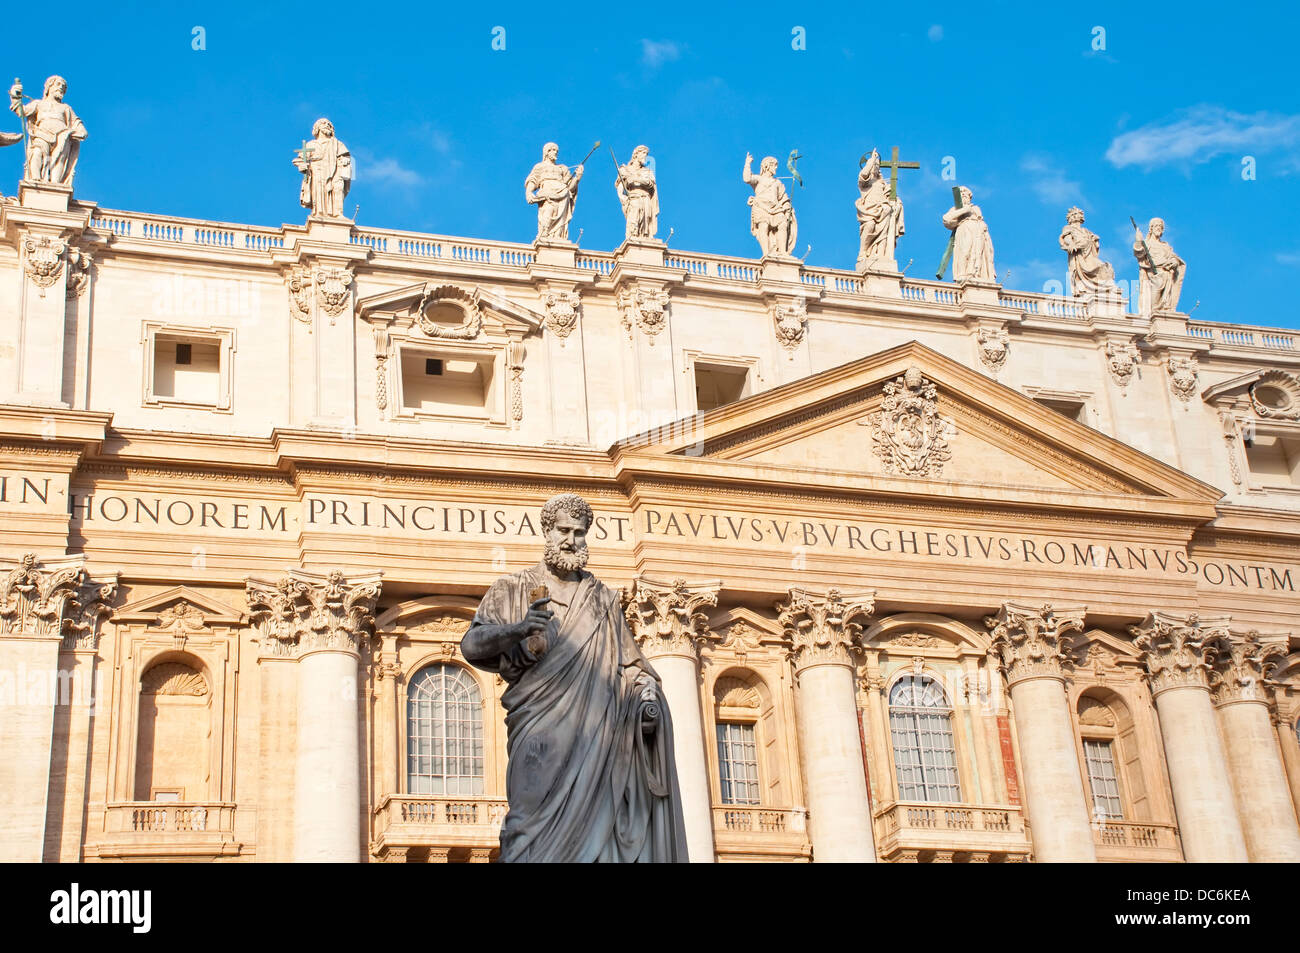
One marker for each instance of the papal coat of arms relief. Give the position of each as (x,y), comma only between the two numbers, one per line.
(910,436)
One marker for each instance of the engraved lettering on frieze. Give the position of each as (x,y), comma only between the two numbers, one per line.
(1122,361)
(333,288)
(445,299)
(1182,377)
(56,597)
(43,260)
(562,313)
(908,433)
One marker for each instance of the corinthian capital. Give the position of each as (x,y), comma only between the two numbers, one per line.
(1241,666)
(54,598)
(824,629)
(1033,641)
(665,618)
(1177,651)
(309,611)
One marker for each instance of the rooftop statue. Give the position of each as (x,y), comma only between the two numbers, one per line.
(972,258)
(771,216)
(639,195)
(326,167)
(880,217)
(1088,273)
(54,133)
(1160,270)
(554,190)
(590,774)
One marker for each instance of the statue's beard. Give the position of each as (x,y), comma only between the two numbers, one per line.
(562,561)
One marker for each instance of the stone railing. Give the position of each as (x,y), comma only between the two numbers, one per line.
(180,231)
(714,266)
(602,263)
(1136,840)
(420,245)
(166,829)
(933,292)
(759,832)
(905,829)
(1054,306)
(749,818)
(1238,335)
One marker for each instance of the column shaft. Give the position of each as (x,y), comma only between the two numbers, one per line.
(681,690)
(1203,798)
(1054,796)
(327,805)
(838,808)
(1268,818)
(26,734)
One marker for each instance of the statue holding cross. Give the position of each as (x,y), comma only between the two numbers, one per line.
(880,212)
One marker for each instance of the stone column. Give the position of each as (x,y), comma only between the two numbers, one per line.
(1177,661)
(43,604)
(1031,644)
(822,633)
(667,623)
(324,621)
(1240,692)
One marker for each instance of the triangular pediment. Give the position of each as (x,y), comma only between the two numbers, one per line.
(912,414)
(179,602)
(496,311)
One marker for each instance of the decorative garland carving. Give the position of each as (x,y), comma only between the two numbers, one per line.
(515,367)
(1229,423)
(472,323)
(907,431)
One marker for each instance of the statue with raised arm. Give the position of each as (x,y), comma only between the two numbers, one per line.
(1088,273)
(880,217)
(1160,270)
(590,775)
(554,190)
(54,133)
(326,167)
(972,256)
(638,194)
(771,215)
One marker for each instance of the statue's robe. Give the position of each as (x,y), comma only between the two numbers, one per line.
(1088,273)
(972,252)
(770,208)
(880,218)
(583,782)
(1161,274)
(329,174)
(556,194)
(640,200)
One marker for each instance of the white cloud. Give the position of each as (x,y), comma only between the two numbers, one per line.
(1199,134)
(1037,275)
(655,53)
(1047,179)
(935,33)
(389,171)
(1288,257)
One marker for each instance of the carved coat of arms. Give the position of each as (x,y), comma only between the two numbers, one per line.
(332,286)
(1182,377)
(561,313)
(44,261)
(908,432)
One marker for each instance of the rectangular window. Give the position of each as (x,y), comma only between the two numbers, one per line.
(716,385)
(188,372)
(924,757)
(1076,410)
(451,384)
(738,763)
(1102,780)
(1274,460)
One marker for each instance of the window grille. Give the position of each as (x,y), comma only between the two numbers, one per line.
(444,732)
(920,726)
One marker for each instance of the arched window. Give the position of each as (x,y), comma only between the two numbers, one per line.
(920,727)
(1098,732)
(444,732)
(174,734)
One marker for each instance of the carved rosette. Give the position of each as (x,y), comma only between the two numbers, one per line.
(300,294)
(54,598)
(333,289)
(309,611)
(467,301)
(994,346)
(562,313)
(43,259)
(1122,361)
(79,263)
(824,629)
(665,619)
(647,308)
(1178,653)
(1182,377)
(1033,641)
(791,321)
(907,431)
(1242,665)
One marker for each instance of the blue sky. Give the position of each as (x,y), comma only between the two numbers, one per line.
(444,128)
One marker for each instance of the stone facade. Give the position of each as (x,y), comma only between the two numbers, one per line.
(246,519)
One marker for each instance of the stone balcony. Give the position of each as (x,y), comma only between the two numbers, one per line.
(435,827)
(1137,841)
(746,832)
(926,832)
(166,829)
